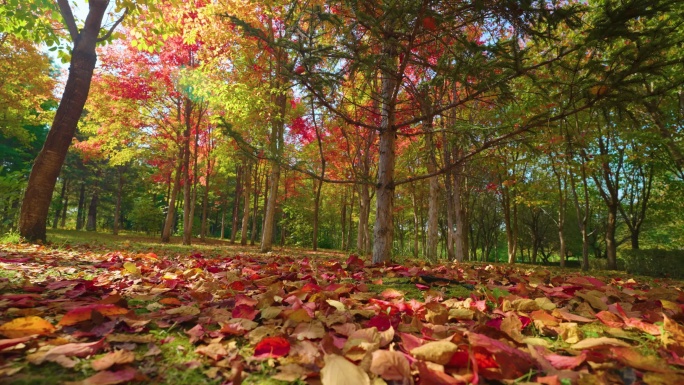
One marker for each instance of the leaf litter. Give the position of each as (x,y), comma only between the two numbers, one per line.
(111,317)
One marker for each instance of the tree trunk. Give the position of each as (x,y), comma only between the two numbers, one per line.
(611,244)
(65,206)
(274,179)
(255,209)
(171,213)
(205,204)
(48,163)
(343,222)
(58,209)
(117,210)
(460,234)
(416,223)
(245,214)
(81,208)
(433,201)
(384,223)
(187,186)
(236,203)
(91,225)
(363,231)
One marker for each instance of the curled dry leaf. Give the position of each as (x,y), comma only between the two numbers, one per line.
(598,343)
(338,371)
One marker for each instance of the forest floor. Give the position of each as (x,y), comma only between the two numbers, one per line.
(97,309)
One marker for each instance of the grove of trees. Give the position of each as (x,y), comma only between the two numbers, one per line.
(494,130)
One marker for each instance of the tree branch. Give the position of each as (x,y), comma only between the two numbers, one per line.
(113,27)
(69,21)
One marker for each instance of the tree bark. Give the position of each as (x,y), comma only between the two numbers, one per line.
(117,210)
(236,203)
(277,139)
(205,204)
(433,197)
(48,163)
(65,205)
(91,225)
(171,213)
(245,214)
(81,208)
(187,185)
(460,220)
(58,209)
(384,196)
(255,209)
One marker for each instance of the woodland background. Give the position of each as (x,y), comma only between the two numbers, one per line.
(519,131)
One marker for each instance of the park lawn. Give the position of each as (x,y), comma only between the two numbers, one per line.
(94,308)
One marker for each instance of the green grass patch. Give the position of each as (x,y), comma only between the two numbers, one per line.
(404,285)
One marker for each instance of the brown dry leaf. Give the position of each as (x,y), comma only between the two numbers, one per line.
(184,310)
(290,373)
(669,378)
(339,371)
(674,333)
(26,326)
(309,331)
(391,365)
(525,305)
(439,352)
(545,303)
(600,342)
(461,314)
(113,358)
(214,350)
(512,326)
(436,313)
(593,300)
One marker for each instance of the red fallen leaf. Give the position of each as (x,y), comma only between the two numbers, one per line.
(420,286)
(391,294)
(196,333)
(272,347)
(110,359)
(70,350)
(108,377)
(242,299)
(8,343)
(513,362)
(84,313)
(15,260)
(637,323)
(409,341)
(380,321)
(354,261)
(484,359)
(609,319)
(245,311)
(237,286)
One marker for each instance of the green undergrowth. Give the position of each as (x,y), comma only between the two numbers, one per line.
(411,291)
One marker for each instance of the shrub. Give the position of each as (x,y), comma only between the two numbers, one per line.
(654,262)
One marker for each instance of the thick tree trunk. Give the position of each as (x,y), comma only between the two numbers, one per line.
(171,213)
(317,205)
(433,206)
(117,210)
(91,224)
(384,223)
(48,163)
(81,208)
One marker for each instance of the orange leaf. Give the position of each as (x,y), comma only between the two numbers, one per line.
(26,326)
(170,301)
(84,313)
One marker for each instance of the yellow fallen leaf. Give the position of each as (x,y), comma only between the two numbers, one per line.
(339,371)
(439,352)
(26,326)
(131,268)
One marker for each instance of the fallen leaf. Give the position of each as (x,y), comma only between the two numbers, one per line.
(597,343)
(272,347)
(439,352)
(338,371)
(85,313)
(108,378)
(26,326)
(110,359)
(391,365)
